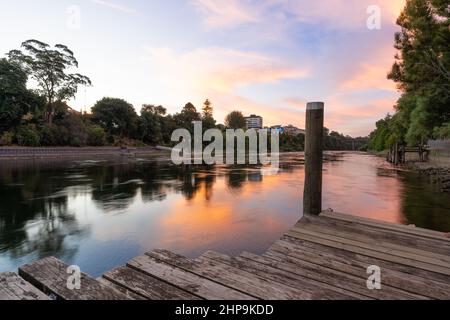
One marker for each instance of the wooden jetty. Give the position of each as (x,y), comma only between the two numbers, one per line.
(321,257)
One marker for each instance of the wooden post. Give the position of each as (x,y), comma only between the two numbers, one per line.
(312,197)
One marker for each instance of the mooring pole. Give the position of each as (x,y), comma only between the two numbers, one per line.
(312,198)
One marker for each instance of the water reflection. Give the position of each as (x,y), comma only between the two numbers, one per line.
(99,214)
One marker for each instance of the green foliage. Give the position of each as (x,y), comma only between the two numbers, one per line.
(235,120)
(15,99)
(442,132)
(28,136)
(116,116)
(96,136)
(50,135)
(422,72)
(150,124)
(187,115)
(48,66)
(6,138)
(290,143)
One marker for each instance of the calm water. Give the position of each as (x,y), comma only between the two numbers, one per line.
(98,214)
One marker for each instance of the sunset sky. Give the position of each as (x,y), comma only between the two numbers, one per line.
(267,57)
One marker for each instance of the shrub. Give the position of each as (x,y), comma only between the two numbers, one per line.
(50,135)
(6,138)
(442,132)
(96,136)
(28,136)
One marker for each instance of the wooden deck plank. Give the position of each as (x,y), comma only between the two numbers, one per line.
(389,236)
(232,277)
(13,287)
(146,286)
(319,224)
(350,256)
(187,281)
(370,250)
(128,293)
(342,279)
(318,290)
(50,276)
(382,225)
(395,279)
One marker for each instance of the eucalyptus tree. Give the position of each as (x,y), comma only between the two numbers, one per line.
(50,68)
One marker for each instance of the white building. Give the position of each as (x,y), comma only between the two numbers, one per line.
(254,122)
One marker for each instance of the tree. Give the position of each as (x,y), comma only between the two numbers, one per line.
(422,70)
(208,121)
(207,109)
(49,67)
(15,99)
(150,123)
(117,116)
(185,118)
(235,120)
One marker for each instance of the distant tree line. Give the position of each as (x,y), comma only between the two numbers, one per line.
(422,73)
(41,117)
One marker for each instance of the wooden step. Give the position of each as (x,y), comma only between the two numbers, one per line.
(199,286)
(396,279)
(320,225)
(382,225)
(146,286)
(371,250)
(388,236)
(232,277)
(50,276)
(13,287)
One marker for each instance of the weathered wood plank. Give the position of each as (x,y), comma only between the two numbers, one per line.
(385,235)
(13,287)
(146,286)
(188,281)
(128,293)
(50,276)
(388,226)
(361,258)
(373,251)
(340,278)
(232,277)
(399,280)
(319,225)
(318,290)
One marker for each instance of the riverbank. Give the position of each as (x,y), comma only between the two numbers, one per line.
(72,152)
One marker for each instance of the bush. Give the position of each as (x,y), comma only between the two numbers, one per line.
(28,136)
(442,132)
(50,135)
(96,136)
(72,131)
(6,138)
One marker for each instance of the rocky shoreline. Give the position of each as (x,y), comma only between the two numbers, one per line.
(437,175)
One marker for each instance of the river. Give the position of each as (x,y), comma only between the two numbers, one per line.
(98,214)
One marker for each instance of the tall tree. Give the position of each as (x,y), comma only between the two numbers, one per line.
(50,68)
(151,122)
(207,109)
(235,120)
(15,99)
(208,120)
(422,69)
(117,116)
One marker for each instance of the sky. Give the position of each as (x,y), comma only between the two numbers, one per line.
(264,57)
